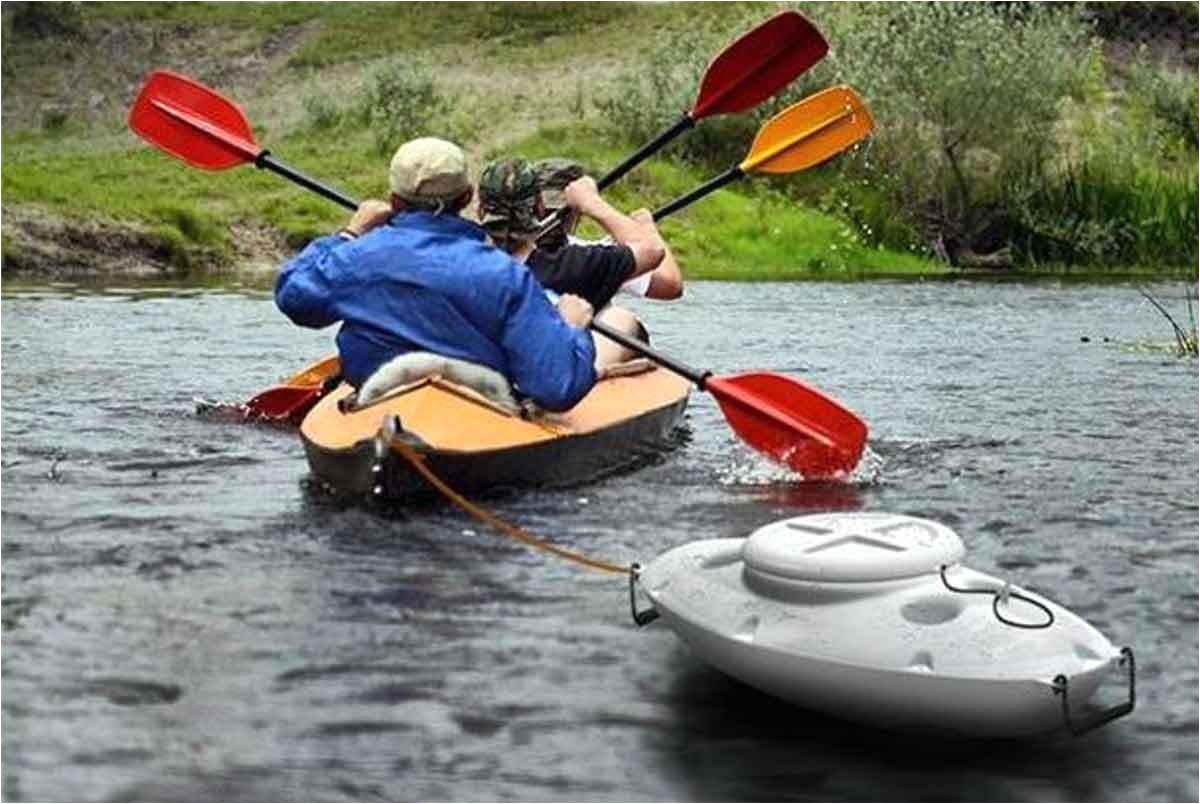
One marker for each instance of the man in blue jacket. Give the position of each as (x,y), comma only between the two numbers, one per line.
(412,275)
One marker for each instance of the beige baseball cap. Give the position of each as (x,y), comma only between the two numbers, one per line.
(429,170)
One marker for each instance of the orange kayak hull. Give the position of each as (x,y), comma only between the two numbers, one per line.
(474,445)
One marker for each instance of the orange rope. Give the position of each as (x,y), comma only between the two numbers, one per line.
(518,533)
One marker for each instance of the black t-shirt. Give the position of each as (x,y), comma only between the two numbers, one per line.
(594,273)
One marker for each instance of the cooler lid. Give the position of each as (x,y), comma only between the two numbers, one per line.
(849,547)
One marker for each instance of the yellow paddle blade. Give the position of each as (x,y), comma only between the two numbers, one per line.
(809,132)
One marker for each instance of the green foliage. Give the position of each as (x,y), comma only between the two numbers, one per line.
(985,113)
(1171,97)
(748,231)
(400,101)
(191,223)
(965,97)
(652,93)
(55,120)
(322,112)
(1108,211)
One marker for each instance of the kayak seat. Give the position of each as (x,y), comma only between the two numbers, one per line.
(409,368)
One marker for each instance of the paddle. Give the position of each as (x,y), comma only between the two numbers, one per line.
(782,417)
(747,72)
(803,135)
(295,396)
(756,66)
(785,419)
(207,130)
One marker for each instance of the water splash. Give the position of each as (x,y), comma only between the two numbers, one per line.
(869,470)
(749,468)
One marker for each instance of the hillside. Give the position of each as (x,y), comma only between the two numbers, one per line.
(82,195)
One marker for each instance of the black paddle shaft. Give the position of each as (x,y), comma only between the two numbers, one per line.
(698,377)
(731,175)
(645,151)
(265,161)
(550,222)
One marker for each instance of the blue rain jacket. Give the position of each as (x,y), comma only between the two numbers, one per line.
(433,283)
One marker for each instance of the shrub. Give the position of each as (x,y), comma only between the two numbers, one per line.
(400,101)
(189,223)
(965,98)
(1171,98)
(55,120)
(321,112)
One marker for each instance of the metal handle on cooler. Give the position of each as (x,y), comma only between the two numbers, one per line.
(646,616)
(1097,719)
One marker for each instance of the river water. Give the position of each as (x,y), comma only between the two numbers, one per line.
(186,618)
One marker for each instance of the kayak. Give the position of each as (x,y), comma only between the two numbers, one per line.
(870,617)
(476,442)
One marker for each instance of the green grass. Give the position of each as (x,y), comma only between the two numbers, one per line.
(349,32)
(523,78)
(749,231)
(746,231)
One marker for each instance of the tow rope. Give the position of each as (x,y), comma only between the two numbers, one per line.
(417,461)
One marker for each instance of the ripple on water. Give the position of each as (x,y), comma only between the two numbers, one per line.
(183,620)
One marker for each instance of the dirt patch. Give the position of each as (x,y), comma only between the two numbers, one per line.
(81,79)
(1166,32)
(40,243)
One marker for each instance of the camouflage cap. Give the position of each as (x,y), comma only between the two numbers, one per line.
(553,175)
(429,170)
(508,196)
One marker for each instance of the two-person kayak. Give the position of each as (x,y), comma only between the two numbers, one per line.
(475,441)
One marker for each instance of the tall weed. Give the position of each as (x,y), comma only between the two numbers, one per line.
(1109,211)
(1171,98)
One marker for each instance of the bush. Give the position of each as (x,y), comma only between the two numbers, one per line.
(965,97)
(321,112)
(1171,98)
(55,120)
(651,95)
(400,101)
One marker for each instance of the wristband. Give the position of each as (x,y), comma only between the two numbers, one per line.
(346,234)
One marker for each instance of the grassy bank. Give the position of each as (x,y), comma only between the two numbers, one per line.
(754,232)
(326,92)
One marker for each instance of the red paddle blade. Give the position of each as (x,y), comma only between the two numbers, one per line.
(192,122)
(758,65)
(791,422)
(284,402)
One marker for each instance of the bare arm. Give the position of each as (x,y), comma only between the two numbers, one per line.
(666,282)
(641,238)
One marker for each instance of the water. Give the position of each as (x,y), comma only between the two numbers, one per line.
(184,619)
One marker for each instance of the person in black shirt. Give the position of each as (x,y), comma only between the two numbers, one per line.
(664,282)
(510,206)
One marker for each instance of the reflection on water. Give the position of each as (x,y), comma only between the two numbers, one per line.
(185,618)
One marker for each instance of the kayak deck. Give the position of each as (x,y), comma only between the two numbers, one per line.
(475,445)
